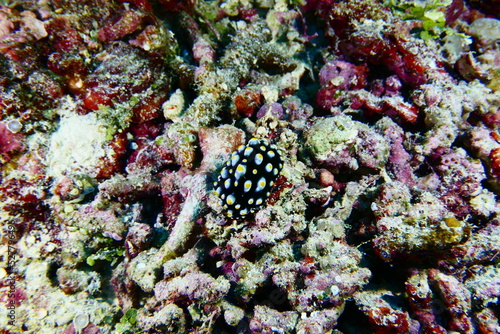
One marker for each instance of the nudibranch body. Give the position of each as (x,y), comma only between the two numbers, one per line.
(246,180)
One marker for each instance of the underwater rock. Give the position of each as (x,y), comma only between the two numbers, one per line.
(382,316)
(11,142)
(116,118)
(409,222)
(339,143)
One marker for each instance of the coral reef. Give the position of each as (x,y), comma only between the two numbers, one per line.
(378,120)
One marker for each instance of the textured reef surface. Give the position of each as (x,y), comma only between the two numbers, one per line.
(377,124)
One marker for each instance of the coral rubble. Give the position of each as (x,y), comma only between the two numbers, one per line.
(117,118)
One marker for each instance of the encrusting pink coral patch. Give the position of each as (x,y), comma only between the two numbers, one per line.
(10,142)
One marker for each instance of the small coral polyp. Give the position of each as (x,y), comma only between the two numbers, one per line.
(246,180)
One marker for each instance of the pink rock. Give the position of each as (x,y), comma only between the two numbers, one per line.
(127,23)
(384,318)
(326,178)
(218,144)
(191,288)
(343,75)
(399,158)
(267,321)
(421,302)
(172,197)
(203,51)
(6,25)
(10,143)
(138,238)
(457,299)
(488,322)
(336,77)
(32,26)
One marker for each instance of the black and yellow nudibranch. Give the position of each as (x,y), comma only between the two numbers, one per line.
(246,180)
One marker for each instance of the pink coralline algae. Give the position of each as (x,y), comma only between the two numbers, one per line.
(338,78)
(117,117)
(343,82)
(11,141)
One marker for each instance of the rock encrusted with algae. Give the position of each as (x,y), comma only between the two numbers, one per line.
(116,118)
(77,146)
(409,222)
(339,143)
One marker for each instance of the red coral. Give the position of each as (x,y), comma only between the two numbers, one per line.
(144,83)
(149,107)
(343,75)
(454,11)
(148,36)
(457,299)
(95,98)
(421,303)
(24,199)
(112,163)
(280,185)
(389,47)
(395,107)
(248,14)
(326,98)
(492,120)
(127,23)
(388,321)
(64,37)
(67,60)
(405,111)
(147,154)
(495,162)
(248,101)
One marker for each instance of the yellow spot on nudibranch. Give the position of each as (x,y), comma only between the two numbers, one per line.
(230,199)
(247,186)
(261,184)
(258,158)
(248,151)
(234,159)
